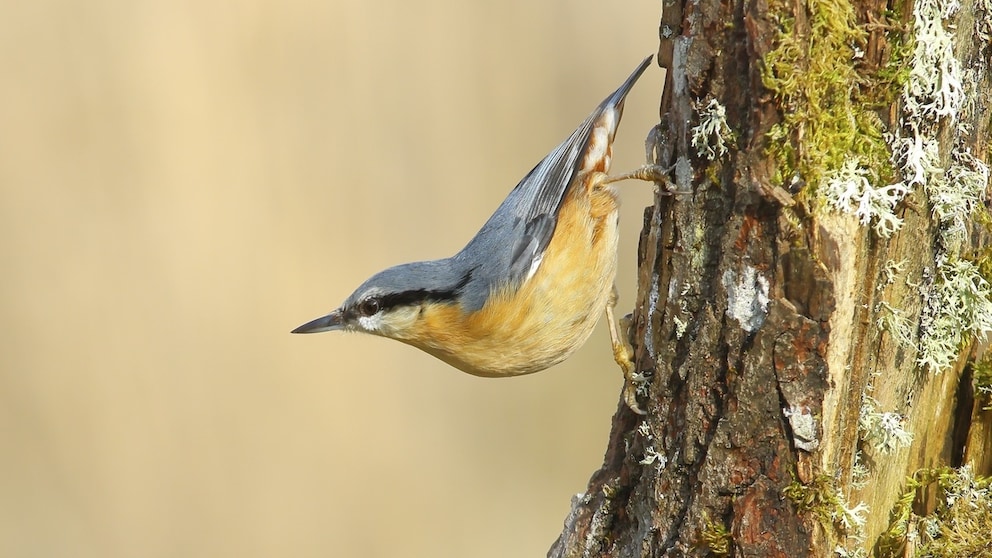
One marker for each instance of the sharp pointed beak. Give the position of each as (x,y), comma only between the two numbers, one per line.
(331,322)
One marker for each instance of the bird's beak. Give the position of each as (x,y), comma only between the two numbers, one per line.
(331,322)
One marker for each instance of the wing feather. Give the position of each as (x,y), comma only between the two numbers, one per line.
(541,193)
(510,246)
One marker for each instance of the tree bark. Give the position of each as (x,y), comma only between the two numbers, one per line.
(768,322)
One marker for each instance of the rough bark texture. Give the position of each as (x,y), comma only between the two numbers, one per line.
(756,323)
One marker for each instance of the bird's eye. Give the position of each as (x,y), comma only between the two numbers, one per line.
(369,307)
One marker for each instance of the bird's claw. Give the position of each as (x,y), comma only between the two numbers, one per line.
(648,173)
(623,354)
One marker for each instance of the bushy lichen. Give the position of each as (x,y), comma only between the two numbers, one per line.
(849,189)
(958,307)
(957,297)
(983,20)
(898,323)
(651,455)
(934,88)
(711,136)
(934,95)
(955,197)
(886,432)
(845,552)
(859,471)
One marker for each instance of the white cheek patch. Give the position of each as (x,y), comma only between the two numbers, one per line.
(394,323)
(370,323)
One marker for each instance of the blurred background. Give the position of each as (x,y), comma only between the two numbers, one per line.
(184,182)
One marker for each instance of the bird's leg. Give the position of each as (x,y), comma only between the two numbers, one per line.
(623,353)
(650,173)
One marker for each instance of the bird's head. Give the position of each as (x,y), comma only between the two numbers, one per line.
(392,302)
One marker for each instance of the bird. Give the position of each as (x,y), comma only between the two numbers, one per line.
(526,292)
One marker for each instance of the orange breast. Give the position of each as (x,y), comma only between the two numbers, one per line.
(551,314)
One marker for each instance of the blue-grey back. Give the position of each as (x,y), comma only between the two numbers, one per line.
(510,246)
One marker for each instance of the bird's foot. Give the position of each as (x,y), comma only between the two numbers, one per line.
(623,354)
(649,173)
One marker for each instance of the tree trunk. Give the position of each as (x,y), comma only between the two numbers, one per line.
(813,289)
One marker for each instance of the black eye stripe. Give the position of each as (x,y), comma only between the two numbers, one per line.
(419,296)
(412,297)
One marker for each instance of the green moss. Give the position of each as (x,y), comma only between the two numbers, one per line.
(827,104)
(894,74)
(958,527)
(981,375)
(983,254)
(819,498)
(822,498)
(713,172)
(714,537)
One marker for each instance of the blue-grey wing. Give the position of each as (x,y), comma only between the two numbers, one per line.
(511,244)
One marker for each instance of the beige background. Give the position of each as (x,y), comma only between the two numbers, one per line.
(184,182)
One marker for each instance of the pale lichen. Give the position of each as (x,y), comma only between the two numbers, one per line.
(983,21)
(916,155)
(711,136)
(958,307)
(652,456)
(844,552)
(957,299)
(849,189)
(893,269)
(805,430)
(885,431)
(955,198)
(898,323)
(859,471)
(747,297)
(934,88)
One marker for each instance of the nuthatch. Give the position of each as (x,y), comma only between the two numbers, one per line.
(526,292)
